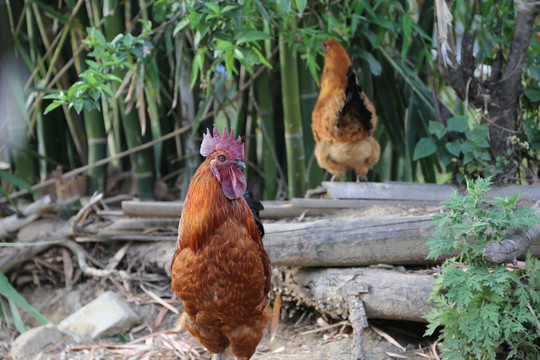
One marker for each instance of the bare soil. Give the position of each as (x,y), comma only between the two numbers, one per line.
(301,333)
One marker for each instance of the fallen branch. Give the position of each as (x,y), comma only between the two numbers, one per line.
(59,237)
(13,223)
(386,294)
(517,244)
(349,241)
(356,294)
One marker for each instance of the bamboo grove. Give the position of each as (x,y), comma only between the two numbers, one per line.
(87,82)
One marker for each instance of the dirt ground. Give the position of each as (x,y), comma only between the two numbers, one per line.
(300,334)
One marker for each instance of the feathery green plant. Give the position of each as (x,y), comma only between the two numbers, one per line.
(484,309)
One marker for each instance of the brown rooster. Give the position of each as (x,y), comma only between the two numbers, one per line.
(220,269)
(343,120)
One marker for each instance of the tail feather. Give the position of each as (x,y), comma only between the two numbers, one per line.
(354,103)
(255,207)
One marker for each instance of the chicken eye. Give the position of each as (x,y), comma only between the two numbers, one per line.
(221,158)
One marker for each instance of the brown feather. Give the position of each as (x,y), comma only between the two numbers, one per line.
(220,268)
(343,123)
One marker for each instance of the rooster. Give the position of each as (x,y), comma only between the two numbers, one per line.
(344,119)
(220,269)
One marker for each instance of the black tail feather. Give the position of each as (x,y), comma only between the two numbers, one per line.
(355,100)
(255,206)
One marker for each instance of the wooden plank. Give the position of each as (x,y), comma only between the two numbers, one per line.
(173,209)
(526,192)
(389,191)
(398,191)
(332,204)
(349,241)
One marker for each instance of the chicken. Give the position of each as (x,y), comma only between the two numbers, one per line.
(344,119)
(220,269)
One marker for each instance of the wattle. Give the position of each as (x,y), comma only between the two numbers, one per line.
(234,185)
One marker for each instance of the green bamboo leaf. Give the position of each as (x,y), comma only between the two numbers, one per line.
(78,105)
(284,5)
(426,146)
(262,58)
(9,292)
(213,7)
(374,65)
(52,106)
(16,316)
(195,67)
(229,8)
(458,123)
(301,6)
(407,29)
(106,89)
(252,35)
(21,184)
(223,45)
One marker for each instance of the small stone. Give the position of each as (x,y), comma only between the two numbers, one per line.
(108,315)
(32,342)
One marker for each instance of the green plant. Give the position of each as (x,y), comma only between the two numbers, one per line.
(9,311)
(467,154)
(485,309)
(124,51)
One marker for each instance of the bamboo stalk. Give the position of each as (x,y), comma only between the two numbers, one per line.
(292,117)
(308,98)
(266,138)
(141,162)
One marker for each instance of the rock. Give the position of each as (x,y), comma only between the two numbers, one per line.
(33,341)
(105,316)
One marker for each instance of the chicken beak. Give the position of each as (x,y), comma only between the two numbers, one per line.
(239,164)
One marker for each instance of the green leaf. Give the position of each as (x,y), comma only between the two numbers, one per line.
(78,105)
(301,6)
(252,35)
(9,292)
(535,72)
(4,175)
(262,58)
(533,95)
(212,6)
(195,67)
(425,147)
(374,64)
(454,147)
(285,5)
(407,29)
(437,129)
(223,45)
(52,106)
(181,25)
(458,123)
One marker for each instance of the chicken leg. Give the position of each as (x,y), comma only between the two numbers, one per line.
(218,356)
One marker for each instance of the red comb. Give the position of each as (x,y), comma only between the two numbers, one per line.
(213,142)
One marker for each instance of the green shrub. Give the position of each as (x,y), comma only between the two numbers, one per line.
(484,309)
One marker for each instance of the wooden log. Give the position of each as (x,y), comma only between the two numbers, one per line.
(516,245)
(350,241)
(396,240)
(398,191)
(386,294)
(173,209)
(394,191)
